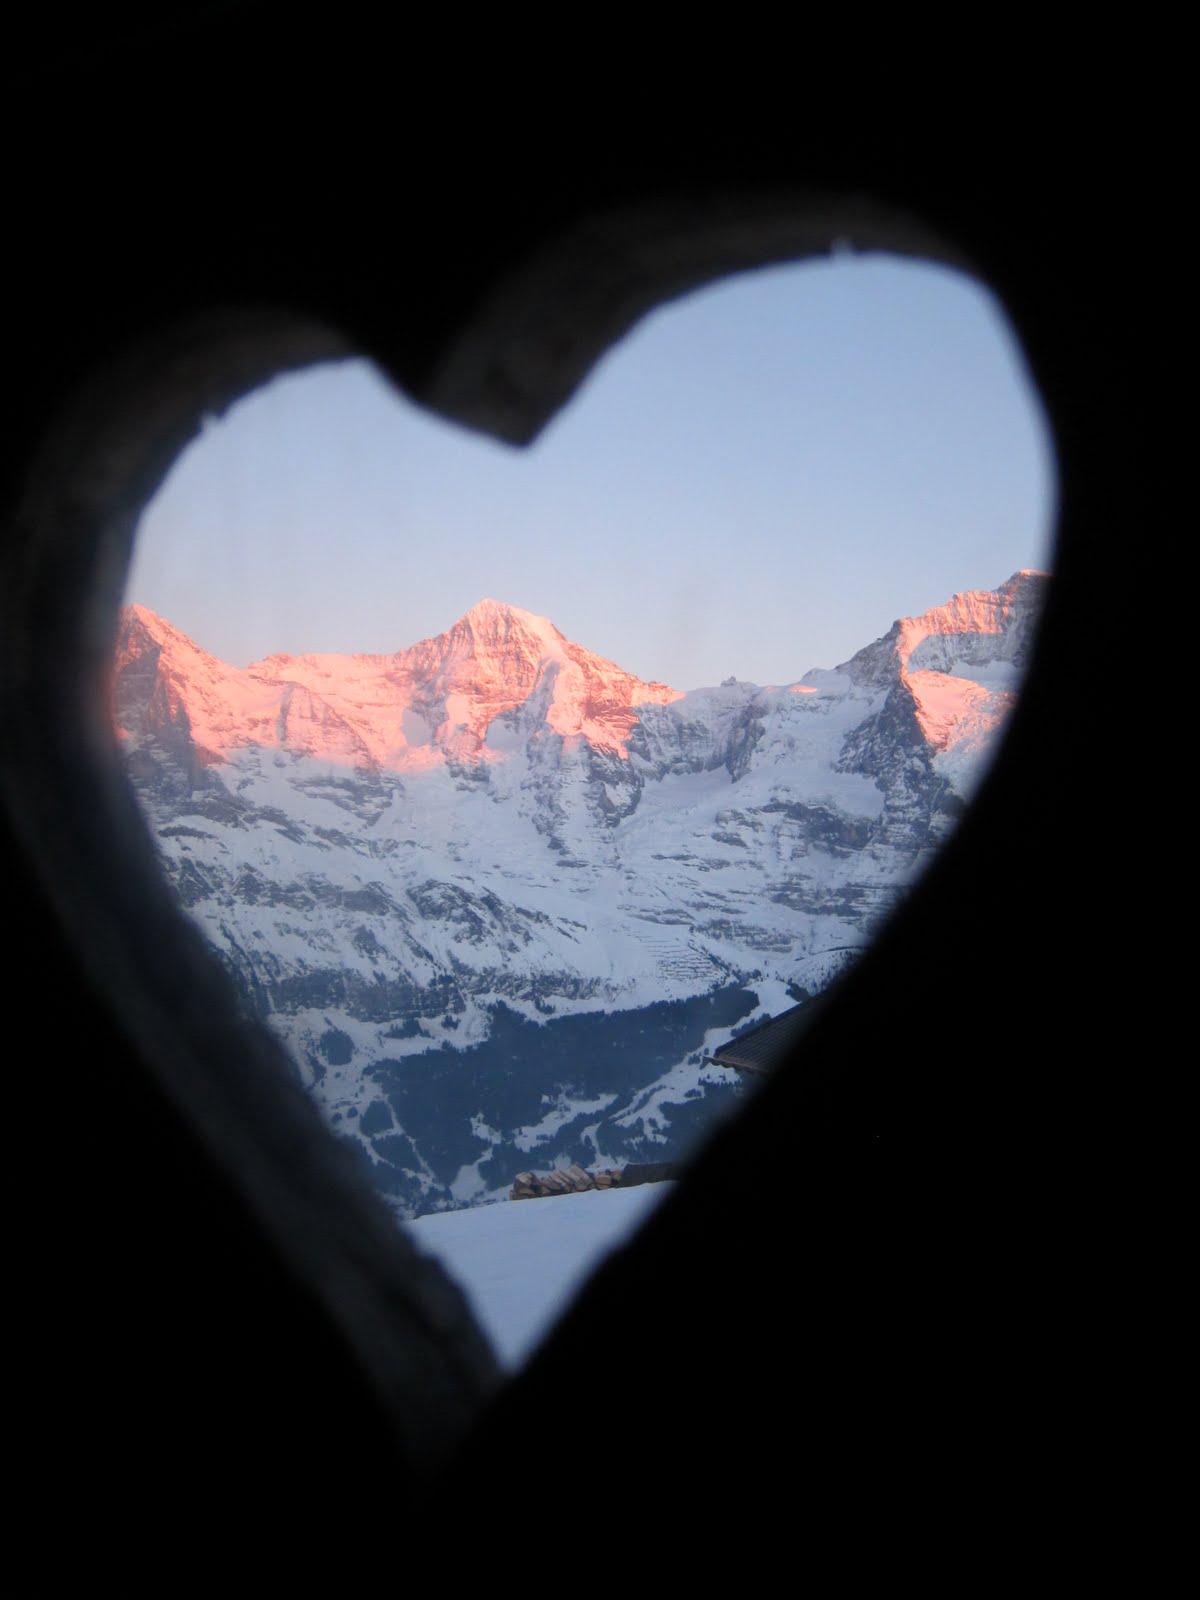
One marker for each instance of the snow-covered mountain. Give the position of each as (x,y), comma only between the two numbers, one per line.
(499,895)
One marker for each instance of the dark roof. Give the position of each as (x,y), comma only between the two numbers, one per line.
(760,1048)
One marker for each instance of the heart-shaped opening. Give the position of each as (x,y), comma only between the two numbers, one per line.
(505,874)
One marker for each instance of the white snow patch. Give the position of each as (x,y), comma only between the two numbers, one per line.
(521,1262)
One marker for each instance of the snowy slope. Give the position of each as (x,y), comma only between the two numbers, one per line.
(521,1262)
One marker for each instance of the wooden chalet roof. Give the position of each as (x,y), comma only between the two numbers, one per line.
(758,1050)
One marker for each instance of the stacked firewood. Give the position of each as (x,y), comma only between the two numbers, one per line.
(574,1180)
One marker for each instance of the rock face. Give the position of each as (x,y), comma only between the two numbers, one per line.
(499,896)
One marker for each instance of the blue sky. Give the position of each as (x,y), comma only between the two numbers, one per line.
(757,480)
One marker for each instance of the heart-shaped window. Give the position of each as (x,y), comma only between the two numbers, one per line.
(512,785)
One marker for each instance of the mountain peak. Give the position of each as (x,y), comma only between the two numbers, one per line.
(1006,610)
(497,658)
(157,627)
(490,618)
(140,623)
(489,607)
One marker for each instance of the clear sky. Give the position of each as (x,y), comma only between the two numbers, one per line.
(757,480)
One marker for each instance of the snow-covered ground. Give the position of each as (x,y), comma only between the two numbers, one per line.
(520,1261)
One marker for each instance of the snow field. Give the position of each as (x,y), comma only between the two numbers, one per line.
(520,1262)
